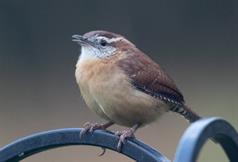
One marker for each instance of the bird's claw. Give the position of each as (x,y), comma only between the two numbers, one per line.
(103,151)
(123,135)
(90,127)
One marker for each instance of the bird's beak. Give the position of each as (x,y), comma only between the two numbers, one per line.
(81,40)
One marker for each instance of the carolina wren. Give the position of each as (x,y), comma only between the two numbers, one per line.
(123,85)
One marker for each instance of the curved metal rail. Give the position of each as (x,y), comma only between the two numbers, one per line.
(199,132)
(39,142)
(189,147)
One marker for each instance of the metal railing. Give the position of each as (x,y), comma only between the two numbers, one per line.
(189,147)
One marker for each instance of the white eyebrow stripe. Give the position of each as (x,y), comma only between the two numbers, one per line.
(111,40)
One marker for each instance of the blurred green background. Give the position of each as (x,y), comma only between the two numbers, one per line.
(195,41)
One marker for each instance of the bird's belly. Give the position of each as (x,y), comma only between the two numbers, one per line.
(91,102)
(84,77)
(131,108)
(108,91)
(125,105)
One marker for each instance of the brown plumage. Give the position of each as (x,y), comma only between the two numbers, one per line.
(123,85)
(148,77)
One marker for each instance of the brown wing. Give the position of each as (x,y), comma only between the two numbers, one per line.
(147,76)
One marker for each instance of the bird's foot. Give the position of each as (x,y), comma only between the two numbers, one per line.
(124,135)
(90,127)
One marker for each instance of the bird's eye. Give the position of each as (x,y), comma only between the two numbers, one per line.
(103,42)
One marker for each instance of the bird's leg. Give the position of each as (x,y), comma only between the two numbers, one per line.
(90,127)
(124,134)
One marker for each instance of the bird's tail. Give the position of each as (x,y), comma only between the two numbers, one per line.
(190,115)
(186,112)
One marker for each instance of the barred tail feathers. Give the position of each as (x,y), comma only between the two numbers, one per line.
(186,112)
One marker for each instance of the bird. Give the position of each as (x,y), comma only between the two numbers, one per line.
(123,85)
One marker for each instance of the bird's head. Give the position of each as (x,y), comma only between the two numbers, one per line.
(101,44)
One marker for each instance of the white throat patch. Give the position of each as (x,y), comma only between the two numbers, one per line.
(86,53)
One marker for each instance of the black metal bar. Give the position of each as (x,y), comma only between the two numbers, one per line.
(199,132)
(39,142)
(191,143)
